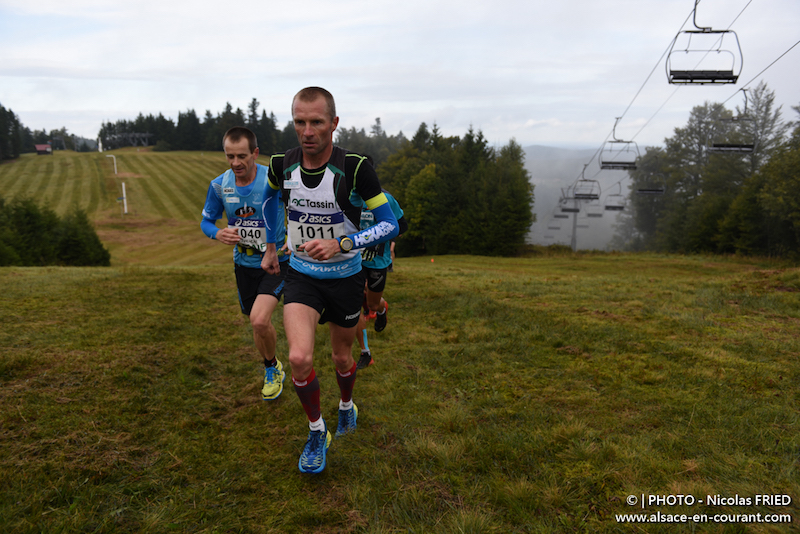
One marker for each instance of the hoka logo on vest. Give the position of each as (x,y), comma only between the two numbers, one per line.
(373,233)
(245,211)
(306,203)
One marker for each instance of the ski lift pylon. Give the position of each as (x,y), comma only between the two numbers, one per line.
(701,58)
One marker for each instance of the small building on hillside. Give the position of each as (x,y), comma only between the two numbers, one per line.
(44,150)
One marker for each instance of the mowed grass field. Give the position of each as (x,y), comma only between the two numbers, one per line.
(165,190)
(549,393)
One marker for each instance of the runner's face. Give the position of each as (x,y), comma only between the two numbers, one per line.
(314,126)
(241,160)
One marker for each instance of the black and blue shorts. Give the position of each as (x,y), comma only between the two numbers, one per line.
(252,282)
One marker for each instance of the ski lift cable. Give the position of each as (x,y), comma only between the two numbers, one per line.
(739,15)
(653,116)
(765,69)
(666,51)
(641,88)
(744,87)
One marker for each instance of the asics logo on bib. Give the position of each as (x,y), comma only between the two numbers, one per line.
(306,203)
(315,219)
(248,224)
(303,217)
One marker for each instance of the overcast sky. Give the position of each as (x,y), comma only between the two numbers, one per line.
(551,73)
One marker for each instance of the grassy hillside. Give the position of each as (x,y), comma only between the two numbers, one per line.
(537,394)
(165,190)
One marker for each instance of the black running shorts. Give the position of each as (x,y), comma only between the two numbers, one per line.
(252,282)
(337,300)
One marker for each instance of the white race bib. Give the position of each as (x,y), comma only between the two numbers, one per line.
(252,232)
(304,227)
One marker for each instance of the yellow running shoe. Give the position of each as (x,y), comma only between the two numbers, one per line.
(273,382)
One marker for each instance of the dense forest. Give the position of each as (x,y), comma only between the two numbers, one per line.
(460,196)
(192,133)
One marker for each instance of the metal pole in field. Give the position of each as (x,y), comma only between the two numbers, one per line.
(124,199)
(574,242)
(115,163)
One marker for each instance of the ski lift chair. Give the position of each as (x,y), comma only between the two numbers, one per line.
(615,201)
(655,185)
(704,56)
(734,148)
(594,209)
(568,202)
(618,154)
(586,190)
(565,208)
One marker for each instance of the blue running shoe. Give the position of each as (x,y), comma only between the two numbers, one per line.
(313,458)
(347,421)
